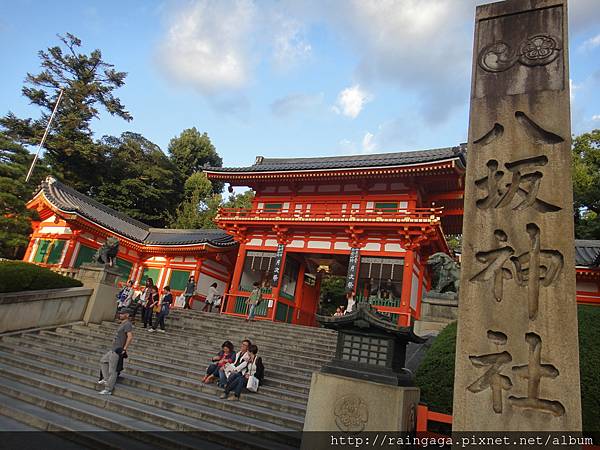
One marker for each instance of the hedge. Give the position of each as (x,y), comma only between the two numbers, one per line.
(18,276)
(435,375)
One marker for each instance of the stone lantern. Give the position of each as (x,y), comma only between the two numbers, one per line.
(365,386)
(369,346)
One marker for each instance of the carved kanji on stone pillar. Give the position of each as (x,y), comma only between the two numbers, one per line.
(518,274)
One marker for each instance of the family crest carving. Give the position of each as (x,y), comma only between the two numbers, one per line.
(537,50)
(351,413)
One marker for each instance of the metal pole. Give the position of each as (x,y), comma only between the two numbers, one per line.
(44,137)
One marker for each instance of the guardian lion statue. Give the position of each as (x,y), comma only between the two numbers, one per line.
(107,253)
(446,273)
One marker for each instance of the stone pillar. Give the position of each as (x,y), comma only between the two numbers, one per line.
(103,302)
(517,364)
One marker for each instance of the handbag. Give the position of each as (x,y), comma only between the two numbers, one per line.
(252,384)
(228,369)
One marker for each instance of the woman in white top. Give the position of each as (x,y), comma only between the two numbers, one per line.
(211,297)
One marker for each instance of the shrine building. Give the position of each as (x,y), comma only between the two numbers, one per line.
(373,219)
(73,226)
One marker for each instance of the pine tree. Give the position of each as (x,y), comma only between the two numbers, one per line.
(88,83)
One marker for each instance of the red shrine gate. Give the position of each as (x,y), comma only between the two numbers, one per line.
(374,219)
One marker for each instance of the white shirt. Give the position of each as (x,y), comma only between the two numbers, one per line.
(212,294)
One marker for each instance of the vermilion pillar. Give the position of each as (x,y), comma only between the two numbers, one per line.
(235,279)
(409,260)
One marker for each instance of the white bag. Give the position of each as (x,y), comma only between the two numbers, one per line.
(218,301)
(252,384)
(180,301)
(228,369)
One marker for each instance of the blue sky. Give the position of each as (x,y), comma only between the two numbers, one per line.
(284,78)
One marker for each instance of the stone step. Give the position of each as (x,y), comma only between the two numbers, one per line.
(252,328)
(48,411)
(101,344)
(197,344)
(140,408)
(296,330)
(238,415)
(284,413)
(214,338)
(186,348)
(177,374)
(267,328)
(29,417)
(164,362)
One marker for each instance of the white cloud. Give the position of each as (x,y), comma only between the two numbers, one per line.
(351,101)
(290,45)
(368,144)
(293,103)
(596,117)
(591,43)
(423,48)
(206,45)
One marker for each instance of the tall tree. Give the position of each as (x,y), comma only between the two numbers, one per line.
(15,218)
(201,205)
(190,151)
(88,83)
(586,185)
(138,179)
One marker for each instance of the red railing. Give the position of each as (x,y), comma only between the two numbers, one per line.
(322,211)
(424,416)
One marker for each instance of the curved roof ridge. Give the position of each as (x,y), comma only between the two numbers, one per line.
(263,164)
(69,200)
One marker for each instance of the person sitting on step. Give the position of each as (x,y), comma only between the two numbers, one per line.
(225,356)
(238,364)
(251,377)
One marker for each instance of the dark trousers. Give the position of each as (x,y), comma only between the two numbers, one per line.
(134,310)
(187,302)
(236,383)
(160,320)
(147,316)
(213,369)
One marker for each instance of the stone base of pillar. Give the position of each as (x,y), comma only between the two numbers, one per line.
(103,302)
(347,405)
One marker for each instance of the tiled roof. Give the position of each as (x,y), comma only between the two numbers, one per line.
(71,201)
(160,236)
(587,253)
(349,162)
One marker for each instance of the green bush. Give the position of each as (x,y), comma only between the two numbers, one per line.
(435,375)
(18,276)
(589,365)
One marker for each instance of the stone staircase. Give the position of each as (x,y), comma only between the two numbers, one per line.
(48,382)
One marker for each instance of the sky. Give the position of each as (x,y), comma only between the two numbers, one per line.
(284,78)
